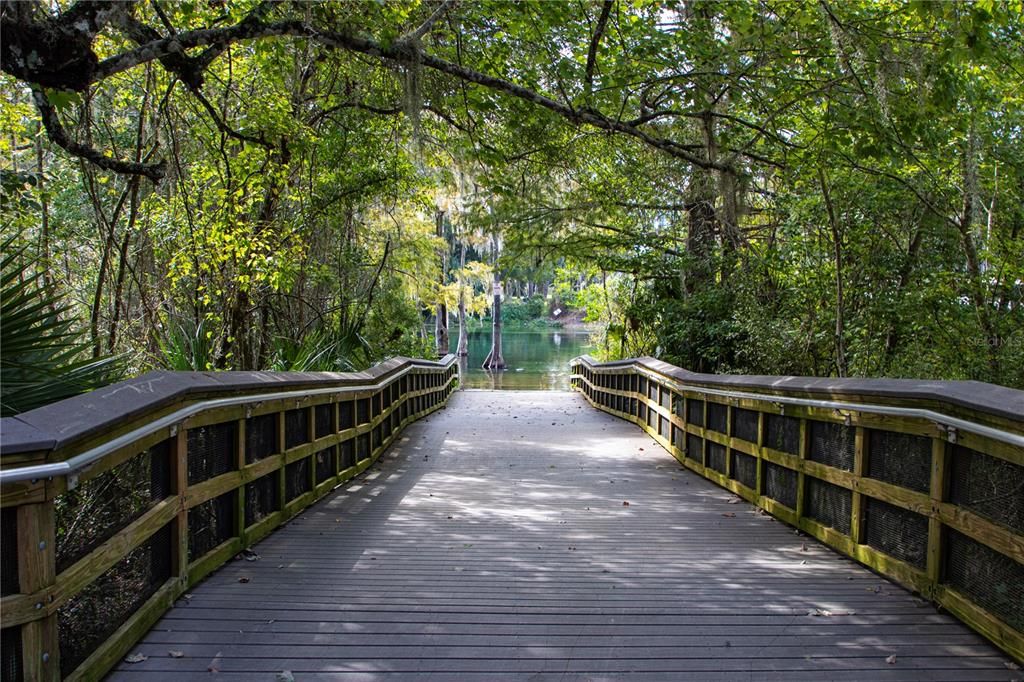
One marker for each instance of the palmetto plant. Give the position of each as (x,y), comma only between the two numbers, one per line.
(43,356)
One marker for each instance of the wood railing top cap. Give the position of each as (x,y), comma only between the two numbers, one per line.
(56,425)
(999,401)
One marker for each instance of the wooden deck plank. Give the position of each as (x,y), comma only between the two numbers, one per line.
(494,542)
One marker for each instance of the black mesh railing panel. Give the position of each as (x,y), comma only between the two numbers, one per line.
(641,387)
(900,458)
(296,428)
(666,398)
(363,411)
(210,524)
(323,417)
(641,411)
(695,448)
(346,415)
(988,486)
(260,437)
(633,406)
(324,464)
(897,532)
(780,484)
(663,427)
(377,439)
(375,406)
(782,433)
(744,469)
(744,424)
(12,668)
(695,412)
(261,498)
(92,615)
(9,581)
(348,453)
(718,417)
(296,479)
(98,508)
(652,391)
(832,444)
(677,405)
(828,504)
(634,382)
(991,580)
(211,451)
(716,456)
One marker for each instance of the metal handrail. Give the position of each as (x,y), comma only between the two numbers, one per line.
(951,424)
(71,467)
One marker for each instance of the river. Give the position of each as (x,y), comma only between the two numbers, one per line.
(535,359)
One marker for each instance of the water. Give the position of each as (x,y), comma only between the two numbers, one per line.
(535,359)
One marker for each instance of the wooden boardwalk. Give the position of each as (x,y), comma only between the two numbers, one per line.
(526,536)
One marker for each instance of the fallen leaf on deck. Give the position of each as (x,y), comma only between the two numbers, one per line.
(243,579)
(174,653)
(730,515)
(214,666)
(135,658)
(625,504)
(891,659)
(1010,665)
(734,500)
(285,676)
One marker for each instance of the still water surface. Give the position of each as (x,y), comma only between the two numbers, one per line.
(535,359)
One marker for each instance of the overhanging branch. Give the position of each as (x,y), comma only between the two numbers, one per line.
(55,131)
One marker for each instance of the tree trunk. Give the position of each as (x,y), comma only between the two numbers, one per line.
(837,242)
(495,360)
(441,321)
(44,206)
(976,282)
(700,234)
(463,347)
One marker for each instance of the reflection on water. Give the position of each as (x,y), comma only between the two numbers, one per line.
(535,359)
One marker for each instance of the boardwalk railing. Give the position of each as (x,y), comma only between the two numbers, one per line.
(921,481)
(115,502)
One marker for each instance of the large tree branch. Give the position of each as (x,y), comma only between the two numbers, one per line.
(431,20)
(602,21)
(402,52)
(55,131)
(170,51)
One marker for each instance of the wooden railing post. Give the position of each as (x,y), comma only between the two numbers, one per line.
(856,499)
(239,466)
(37,573)
(179,488)
(937,492)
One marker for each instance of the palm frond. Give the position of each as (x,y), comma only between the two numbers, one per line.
(43,357)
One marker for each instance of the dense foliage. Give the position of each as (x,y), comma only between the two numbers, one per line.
(748,186)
